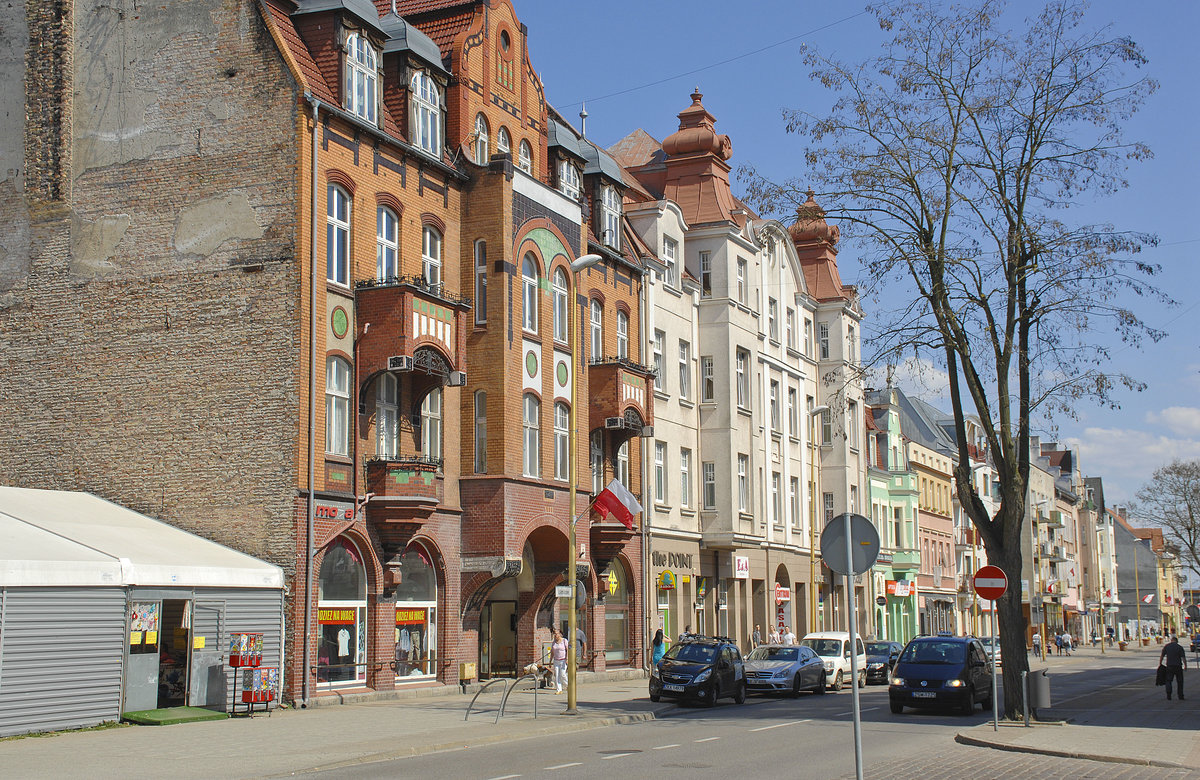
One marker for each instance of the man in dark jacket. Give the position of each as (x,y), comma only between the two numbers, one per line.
(1175,660)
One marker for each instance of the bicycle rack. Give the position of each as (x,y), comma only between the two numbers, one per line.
(511,688)
(486,685)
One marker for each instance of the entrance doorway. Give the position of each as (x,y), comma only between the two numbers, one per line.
(160,644)
(498,639)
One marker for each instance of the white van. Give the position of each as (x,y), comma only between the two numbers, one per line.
(834,649)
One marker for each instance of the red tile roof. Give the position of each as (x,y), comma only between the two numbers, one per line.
(637,148)
(408,7)
(279,16)
(442,28)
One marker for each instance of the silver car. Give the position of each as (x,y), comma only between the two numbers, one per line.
(991,646)
(784,669)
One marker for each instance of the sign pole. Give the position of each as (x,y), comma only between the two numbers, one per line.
(990,582)
(995,701)
(858,760)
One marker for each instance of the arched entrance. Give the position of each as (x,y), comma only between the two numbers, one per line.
(416,615)
(342,616)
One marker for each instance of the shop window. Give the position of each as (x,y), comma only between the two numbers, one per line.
(342,616)
(416,615)
(616,615)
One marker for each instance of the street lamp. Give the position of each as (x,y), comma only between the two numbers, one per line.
(577,265)
(1037,573)
(812,526)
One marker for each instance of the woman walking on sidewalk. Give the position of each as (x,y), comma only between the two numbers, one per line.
(558,659)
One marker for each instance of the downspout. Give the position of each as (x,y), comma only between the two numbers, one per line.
(647,329)
(312,417)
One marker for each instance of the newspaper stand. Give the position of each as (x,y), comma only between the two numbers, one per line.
(258,682)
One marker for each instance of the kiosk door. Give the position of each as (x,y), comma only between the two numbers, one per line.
(208,673)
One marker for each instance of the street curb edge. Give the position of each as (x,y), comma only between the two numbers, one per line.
(963,739)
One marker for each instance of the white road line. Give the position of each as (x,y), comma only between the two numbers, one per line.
(836,714)
(507,777)
(869,709)
(781,725)
(562,766)
(614,755)
(706,739)
(664,747)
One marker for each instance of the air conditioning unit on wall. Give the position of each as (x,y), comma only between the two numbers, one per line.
(614,423)
(458,378)
(400,363)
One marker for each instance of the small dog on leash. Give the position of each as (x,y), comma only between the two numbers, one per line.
(545,674)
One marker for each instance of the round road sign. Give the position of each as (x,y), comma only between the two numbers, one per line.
(863,550)
(990,582)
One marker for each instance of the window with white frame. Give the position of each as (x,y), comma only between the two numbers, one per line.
(794,502)
(431,424)
(362,78)
(774,405)
(387,416)
(657,351)
(560,305)
(426,100)
(531,428)
(660,472)
(709,476)
(706,274)
(685,369)
(826,427)
(337,236)
(808,333)
(685,477)
(480,432)
(776,500)
(481,277)
(743,478)
(529,294)
(503,141)
(741,280)
(525,157)
(623,463)
(793,413)
(809,405)
(828,503)
(387,244)
(337,406)
(481,140)
(790,325)
(743,378)
(854,499)
(772,319)
(670,252)
(568,179)
(596,319)
(596,459)
(562,418)
(622,334)
(852,423)
(823,339)
(850,343)
(708,384)
(610,216)
(431,256)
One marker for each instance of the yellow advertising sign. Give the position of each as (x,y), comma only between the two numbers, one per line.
(151,637)
(198,642)
(135,637)
(336,616)
(666,579)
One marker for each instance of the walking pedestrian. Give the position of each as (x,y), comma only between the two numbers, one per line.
(1175,660)
(1058,642)
(1068,642)
(558,659)
(1037,645)
(788,637)
(773,637)
(660,648)
(756,637)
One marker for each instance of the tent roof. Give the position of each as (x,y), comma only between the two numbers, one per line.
(59,538)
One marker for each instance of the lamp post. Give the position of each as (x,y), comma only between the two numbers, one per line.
(1037,573)
(577,265)
(812,526)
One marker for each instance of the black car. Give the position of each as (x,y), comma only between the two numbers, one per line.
(941,671)
(700,668)
(881,657)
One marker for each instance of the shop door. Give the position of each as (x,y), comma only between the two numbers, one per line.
(174,652)
(141,669)
(501,648)
(208,674)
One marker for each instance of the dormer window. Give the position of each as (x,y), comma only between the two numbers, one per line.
(610,216)
(568,180)
(362,78)
(481,140)
(426,111)
(525,158)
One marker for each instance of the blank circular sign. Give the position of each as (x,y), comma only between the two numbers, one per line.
(864,544)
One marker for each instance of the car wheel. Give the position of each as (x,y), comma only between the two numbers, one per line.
(968,705)
(713,691)
(897,707)
(821,687)
(862,680)
(740,696)
(655,698)
(796,686)
(837,681)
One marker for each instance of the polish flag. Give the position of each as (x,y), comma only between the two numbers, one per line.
(616,500)
(1148,598)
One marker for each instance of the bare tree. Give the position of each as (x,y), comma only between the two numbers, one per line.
(951,159)
(1171,499)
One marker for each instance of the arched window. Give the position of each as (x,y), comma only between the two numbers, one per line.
(597,329)
(596,457)
(342,615)
(622,334)
(480,432)
(503,141)
(481,275)
(481,139)
(387,416)
(337,406)
(431,256)
(532,454)
(560,305)
(426,129)
(362,78)
(416,614)
(568,180)
(610,217)
(529,289)
(562,418)
(431,424)
(387,244)
(337,235)
(525,158)
(622,475)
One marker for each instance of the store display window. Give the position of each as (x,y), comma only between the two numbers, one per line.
(342,616)
(416,615)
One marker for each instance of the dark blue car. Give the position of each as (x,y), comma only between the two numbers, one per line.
(941,671)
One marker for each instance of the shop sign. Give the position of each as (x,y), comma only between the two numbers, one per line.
(336,616)
(782,594)
(884,557)
(410,616)
(613,583)
(741,567)
(666,580)
(678,560)
(701,588)
(899,588)
(333,512)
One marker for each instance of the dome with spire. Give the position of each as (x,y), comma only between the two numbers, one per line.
(810,224)
(697,133)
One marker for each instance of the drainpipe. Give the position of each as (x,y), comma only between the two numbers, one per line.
(312,419)
(646,291)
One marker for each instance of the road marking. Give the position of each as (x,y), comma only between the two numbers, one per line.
(507,777)
(851,712)
(706,739)
(781,725)
(664,747)
(562,766)
(615,755)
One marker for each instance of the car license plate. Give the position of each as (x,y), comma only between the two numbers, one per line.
(673,688)
(923,694)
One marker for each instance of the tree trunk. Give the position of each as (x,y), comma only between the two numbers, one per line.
(1012,629)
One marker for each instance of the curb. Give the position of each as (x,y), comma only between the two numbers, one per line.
(476,741)
(963,739)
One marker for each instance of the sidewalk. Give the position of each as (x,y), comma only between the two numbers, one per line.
(296,740)
(1130,722)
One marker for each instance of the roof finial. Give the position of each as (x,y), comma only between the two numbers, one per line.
(583,115)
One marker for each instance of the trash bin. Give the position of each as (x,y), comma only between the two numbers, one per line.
(1039,689)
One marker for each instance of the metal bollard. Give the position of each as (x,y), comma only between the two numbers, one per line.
(1025,695)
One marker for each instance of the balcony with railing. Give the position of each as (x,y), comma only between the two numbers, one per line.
(1053,519)
(620,397)
(406,489)
(407,324)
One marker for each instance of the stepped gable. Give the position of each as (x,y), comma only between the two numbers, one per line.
(816,246)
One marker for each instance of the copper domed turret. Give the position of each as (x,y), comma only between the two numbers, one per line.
(697,133)
(810,225)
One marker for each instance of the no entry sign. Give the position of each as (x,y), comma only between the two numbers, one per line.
(990,582)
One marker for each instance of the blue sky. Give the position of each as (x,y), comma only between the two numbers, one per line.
(636,63)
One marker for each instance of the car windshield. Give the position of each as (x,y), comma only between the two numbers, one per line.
(692,652)
(824,647)
(773,654)
(934,653)
(878,648)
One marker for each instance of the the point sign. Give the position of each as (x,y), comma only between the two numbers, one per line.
(990,582)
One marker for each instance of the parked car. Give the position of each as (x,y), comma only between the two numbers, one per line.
(700,668)
(834,649)
(941,671)
(778,669)
(991,646)
(881,657)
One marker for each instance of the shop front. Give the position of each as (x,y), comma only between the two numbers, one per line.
(675,572)
(342,616)
(416,634)
(617,628)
